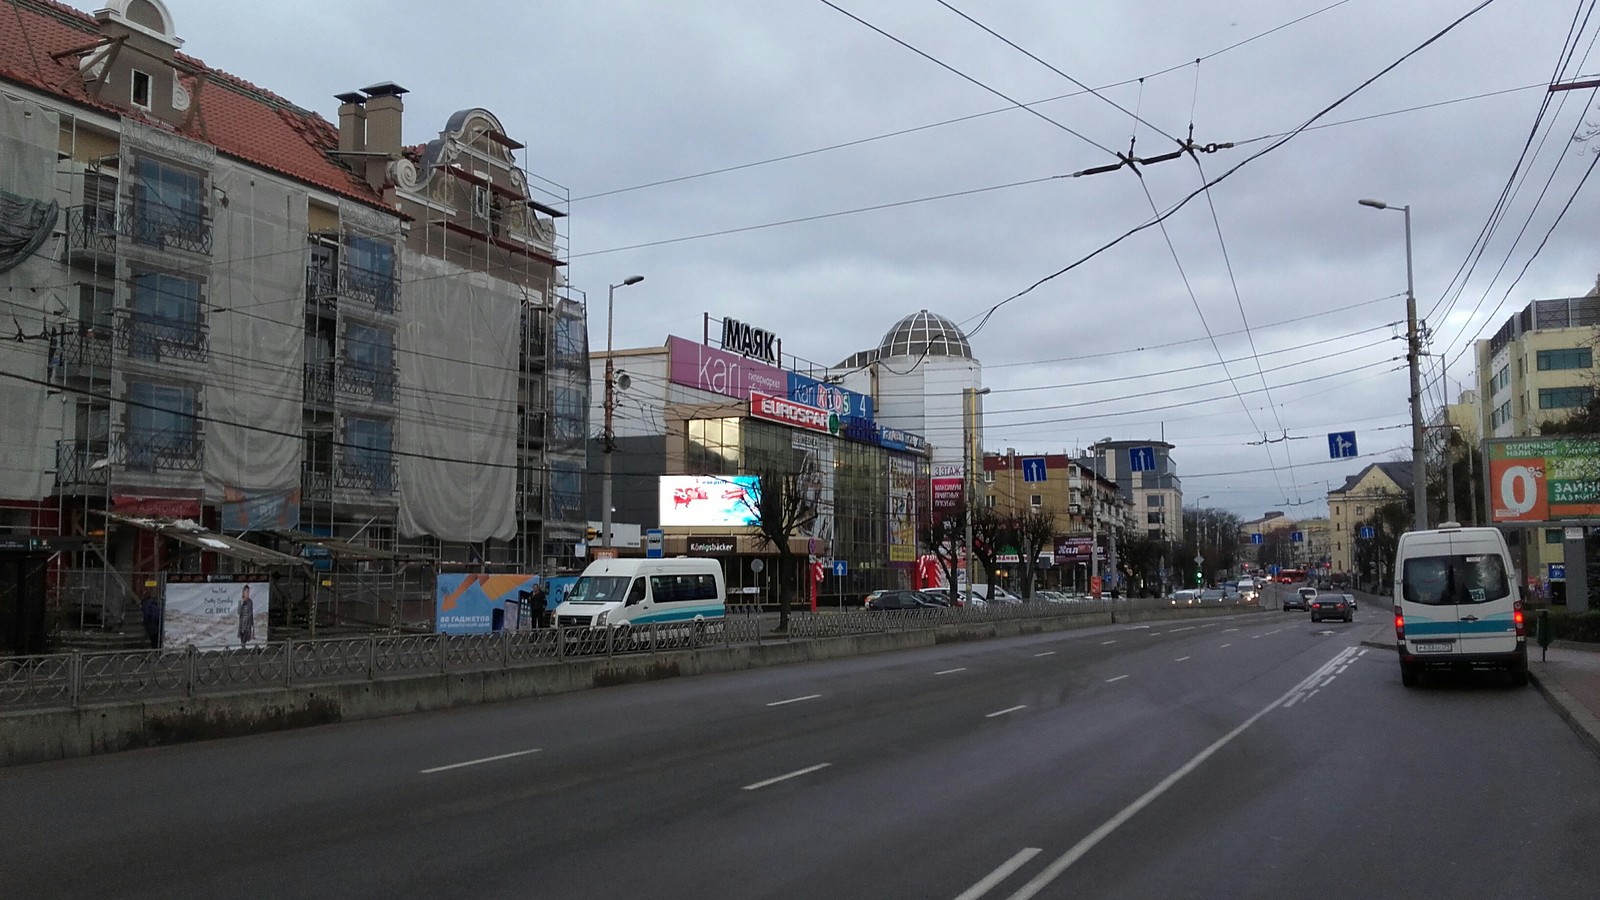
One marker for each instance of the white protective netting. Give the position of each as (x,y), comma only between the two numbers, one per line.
(456,437)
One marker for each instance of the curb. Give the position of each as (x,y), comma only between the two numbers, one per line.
(1580,719)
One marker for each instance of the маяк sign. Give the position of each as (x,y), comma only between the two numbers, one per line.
(750,341)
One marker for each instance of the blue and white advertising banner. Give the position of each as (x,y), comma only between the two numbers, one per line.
(842,403)
(465,601)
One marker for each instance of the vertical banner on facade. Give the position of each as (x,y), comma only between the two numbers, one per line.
(902,510)
(214,612)
(465,602)
(816,481)
(946,478)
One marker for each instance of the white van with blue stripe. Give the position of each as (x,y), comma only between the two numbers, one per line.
(615,592)
(1456,603)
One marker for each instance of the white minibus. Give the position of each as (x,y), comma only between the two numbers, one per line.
(617,592)
(1456,603)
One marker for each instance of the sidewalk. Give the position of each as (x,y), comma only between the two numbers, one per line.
(1568,676)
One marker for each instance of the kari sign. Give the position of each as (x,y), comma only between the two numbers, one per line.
(720,372)
(796,415)
(708,500)
(842,403)
(1544,480)
(1074,549)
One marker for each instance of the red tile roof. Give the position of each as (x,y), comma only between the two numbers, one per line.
(241,120)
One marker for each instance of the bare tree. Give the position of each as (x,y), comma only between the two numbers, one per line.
(1034,531)
(988,530)
(942,535)
(781,512)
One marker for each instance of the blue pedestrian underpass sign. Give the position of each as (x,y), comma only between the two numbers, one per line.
(1367,532)
(1297,536)
(1033,468)
(841,568)
(1142,459)
(1258,539)
(1341,444)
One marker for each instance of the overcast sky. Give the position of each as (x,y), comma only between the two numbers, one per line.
(1276,269)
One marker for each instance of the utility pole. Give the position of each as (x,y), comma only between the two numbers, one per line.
(608,437)
(1419,476)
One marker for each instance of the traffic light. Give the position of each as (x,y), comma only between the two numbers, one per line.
(1199,579)
(591,534)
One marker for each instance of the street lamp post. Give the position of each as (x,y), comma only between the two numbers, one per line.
(969,411)
(1419,480)
(608,439)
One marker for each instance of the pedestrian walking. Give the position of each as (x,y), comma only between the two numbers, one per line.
(152,619)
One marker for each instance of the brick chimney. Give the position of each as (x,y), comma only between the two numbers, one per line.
(352,122)
(383,118)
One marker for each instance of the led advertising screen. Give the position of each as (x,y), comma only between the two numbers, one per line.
(709,500)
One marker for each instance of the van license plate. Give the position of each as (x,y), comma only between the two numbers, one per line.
(1434,646)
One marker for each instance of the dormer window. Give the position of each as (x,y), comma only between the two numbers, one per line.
(141,89)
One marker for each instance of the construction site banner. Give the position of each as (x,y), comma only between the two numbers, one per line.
(215,612)
(1540,480)
(466,601)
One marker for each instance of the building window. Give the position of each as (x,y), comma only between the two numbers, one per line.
(1153,518)
(1572,358)
(1553,536)
(166,312)
(371,268)
(1501,379)
(140,94)
(1155,500)
(368,452)
(161,424)
(169,206)
(1565,398)
(1036,500)
(369,361)
(1360,510)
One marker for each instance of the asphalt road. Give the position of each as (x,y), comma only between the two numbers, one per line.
(1255,755)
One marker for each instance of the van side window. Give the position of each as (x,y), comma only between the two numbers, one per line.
(683,588)
(636,593)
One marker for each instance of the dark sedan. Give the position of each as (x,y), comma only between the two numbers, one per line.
(1332,606)
(890,601)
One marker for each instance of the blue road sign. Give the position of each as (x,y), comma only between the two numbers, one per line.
(1558,571)
(1033,468)
(1341,444)
(652,543)
(1296,536)
(1258,539)
(1367,532)
(841,568)
(1142,459)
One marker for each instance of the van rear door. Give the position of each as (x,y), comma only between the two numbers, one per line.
(1458,598)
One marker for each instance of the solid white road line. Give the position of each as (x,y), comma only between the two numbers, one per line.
(1363,652)
(794,700)
(1225,645)
(1180,659)
(1054,870)
(1118,678)
(1007,710)
(1103,643)
(795,774)
(1046,653)
(951,671)
(476,762)
(987,882)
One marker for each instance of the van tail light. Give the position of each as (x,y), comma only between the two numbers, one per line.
(1516,616)
(1399,625)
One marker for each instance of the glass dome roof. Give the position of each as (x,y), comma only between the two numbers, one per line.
(924,333)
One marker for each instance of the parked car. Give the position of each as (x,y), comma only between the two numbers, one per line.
(1213,597)
(1331,606)
(1352,600)
(1001,595)
(887,601)
(1185,597)
(937,598)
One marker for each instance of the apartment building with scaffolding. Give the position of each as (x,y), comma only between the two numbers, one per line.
(247,338)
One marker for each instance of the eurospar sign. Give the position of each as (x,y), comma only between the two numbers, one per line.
(797,415)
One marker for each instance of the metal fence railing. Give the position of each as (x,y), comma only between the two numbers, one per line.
(78,678)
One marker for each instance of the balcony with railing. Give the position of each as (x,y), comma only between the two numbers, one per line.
(156,339)
(327,284)
(316,483)
(91,233)
(372,384)
(81,354)
(150,224)
(366,473)
(90,463)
